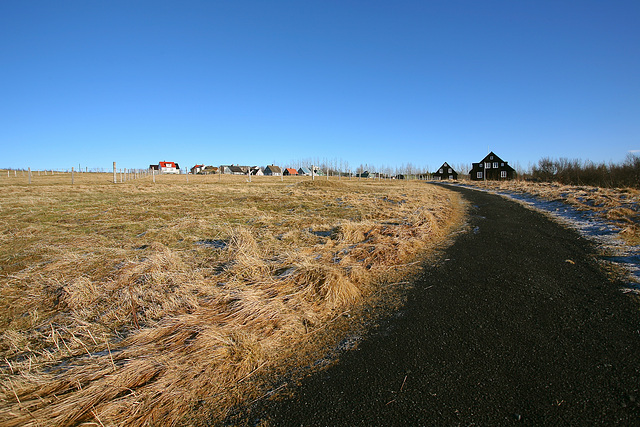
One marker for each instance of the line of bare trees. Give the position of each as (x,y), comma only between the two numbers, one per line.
(578,172)
(337,166)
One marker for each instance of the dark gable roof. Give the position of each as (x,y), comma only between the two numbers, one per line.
(446,165)
(495,158)
(236,169)
(274,169)
(492,157)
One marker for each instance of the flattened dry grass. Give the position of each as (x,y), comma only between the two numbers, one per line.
(146,304)
(619,206)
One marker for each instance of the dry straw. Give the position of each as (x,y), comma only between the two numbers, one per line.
(170,303)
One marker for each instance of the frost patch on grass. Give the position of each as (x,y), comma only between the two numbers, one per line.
(214,244)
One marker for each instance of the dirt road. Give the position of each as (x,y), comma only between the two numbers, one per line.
(517,324)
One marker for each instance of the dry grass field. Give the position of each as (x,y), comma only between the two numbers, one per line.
(619,206)
(170,303)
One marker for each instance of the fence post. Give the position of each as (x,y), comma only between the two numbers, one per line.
(115,180)
(313,175)
(71,175)
(153,173)
(29,175)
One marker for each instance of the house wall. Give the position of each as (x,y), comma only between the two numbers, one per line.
(493,174)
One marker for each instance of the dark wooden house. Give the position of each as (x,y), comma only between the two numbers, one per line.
(492,168)
(445,172)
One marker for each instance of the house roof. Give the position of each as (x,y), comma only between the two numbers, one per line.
(274,168)
(198,166)
(292,171)
(492,157)
(236,169)
(168,164)
(304,170)
(446,165)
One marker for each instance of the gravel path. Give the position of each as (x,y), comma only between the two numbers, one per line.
(517,325)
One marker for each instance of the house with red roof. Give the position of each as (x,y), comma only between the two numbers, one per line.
(169,167)
(290,171)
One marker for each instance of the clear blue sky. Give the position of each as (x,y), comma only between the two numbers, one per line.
(251,82)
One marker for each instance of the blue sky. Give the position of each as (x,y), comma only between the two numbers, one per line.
(253,82)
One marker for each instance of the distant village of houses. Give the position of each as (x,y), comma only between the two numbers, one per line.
(491,167)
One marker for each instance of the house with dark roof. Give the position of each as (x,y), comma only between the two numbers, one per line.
(273,170)
(238,170)
(492,168)
(445,172)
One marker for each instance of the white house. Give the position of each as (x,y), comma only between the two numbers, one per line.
(197,169)
(273,170)
(169,167)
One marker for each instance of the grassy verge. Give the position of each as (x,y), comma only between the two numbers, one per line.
(145,304)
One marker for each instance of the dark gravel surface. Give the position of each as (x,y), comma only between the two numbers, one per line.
(517,324)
